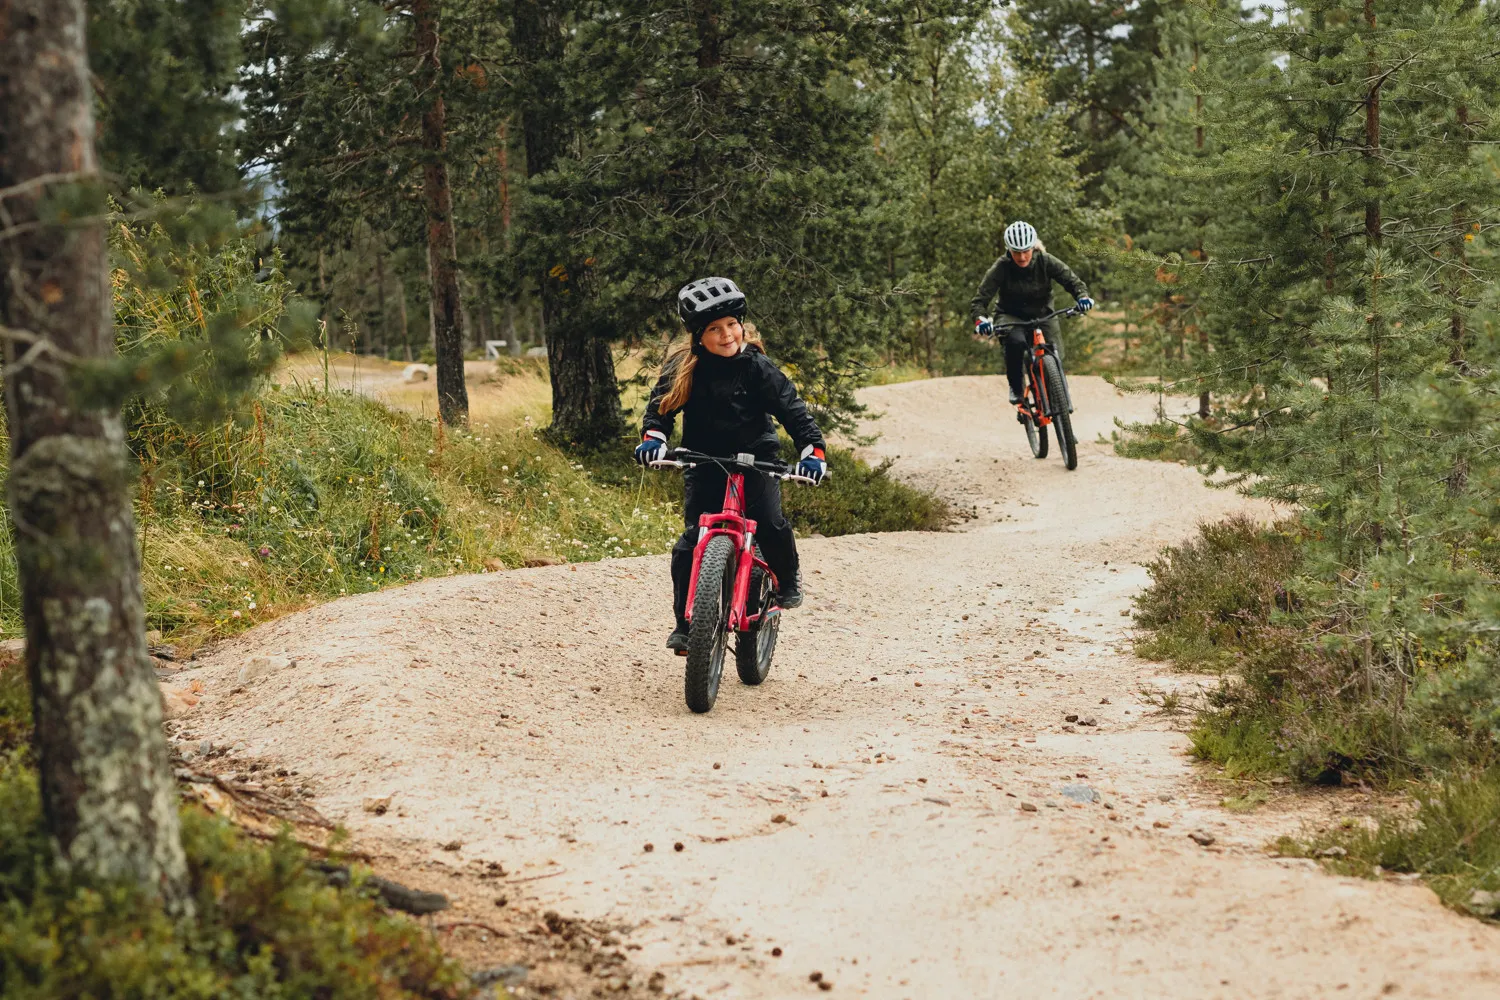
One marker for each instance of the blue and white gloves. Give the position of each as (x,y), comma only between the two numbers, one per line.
(653,448)
(1085,304)
(984,326)
(812,464)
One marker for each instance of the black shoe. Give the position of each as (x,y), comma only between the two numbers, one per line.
(677,642)
(790,594)
(1015,397)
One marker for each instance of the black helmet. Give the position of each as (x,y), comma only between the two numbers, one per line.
(701,302)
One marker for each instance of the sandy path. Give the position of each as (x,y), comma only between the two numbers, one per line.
(863,810)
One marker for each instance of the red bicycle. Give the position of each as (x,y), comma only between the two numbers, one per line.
(732,589)
(1045,401)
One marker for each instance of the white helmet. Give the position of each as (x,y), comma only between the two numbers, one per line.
(1020,236)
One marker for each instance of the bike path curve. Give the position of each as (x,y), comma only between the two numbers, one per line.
(889,808)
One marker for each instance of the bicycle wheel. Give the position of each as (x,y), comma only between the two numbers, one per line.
(708,635)
(1062,422)
(754,647)
(1036,436)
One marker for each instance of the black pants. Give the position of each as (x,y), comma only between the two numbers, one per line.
(1018,342)
(704,487)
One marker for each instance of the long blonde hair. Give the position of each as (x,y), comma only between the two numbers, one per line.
(682,362)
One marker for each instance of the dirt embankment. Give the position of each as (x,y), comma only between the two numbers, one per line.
(904,807)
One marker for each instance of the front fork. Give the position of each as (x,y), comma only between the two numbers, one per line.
(745,561)
(1040,348)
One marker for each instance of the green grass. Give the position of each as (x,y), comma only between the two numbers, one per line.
(317,496)
(1451,838)
(857,498)
(312,497)
(1228,601)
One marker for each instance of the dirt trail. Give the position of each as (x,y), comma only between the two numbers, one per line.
(865,811)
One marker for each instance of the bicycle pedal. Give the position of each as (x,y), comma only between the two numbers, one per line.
(682,652)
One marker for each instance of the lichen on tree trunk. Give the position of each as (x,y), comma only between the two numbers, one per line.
(107,790)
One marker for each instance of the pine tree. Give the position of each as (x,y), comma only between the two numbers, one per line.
(1096,57)
(1168,215)
(164,74)
(360,115)
(1335,296)
(107,790)
(577,328)
(971,145)
(727,139)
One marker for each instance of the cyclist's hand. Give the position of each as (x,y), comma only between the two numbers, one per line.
(984,326)
(1085,304)
(813,465)
(653,448)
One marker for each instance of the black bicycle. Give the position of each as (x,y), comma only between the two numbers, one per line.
(1045,401)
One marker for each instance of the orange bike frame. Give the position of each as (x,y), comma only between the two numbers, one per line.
(1038,384)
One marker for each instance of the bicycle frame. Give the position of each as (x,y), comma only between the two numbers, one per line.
(1045,408)
(731,522)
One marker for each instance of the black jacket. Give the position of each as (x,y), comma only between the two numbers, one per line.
(1025,292)
(730,408)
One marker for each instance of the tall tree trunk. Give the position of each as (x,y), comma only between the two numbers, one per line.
(107,790)
(585,391)
(442,244)
(502,159)
(1460,256)
(1373,239)
(385,320)
(1205,402)
(405,320)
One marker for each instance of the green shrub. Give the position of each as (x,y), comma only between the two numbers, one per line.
(1212,597)
(15,710)
(857,497)
(1301,696)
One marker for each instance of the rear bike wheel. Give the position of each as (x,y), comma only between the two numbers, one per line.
(708,634)
(1062,421)
(754,647)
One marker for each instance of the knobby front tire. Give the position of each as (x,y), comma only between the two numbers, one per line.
(708,634)
(1062,421)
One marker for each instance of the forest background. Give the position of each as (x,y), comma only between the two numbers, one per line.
(1284,212)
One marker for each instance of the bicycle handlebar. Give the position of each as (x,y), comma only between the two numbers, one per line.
(682,458)
(1057,314)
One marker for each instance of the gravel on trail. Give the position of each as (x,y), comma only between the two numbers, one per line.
(903,807)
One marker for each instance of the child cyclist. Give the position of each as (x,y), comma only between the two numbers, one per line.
(727,391)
